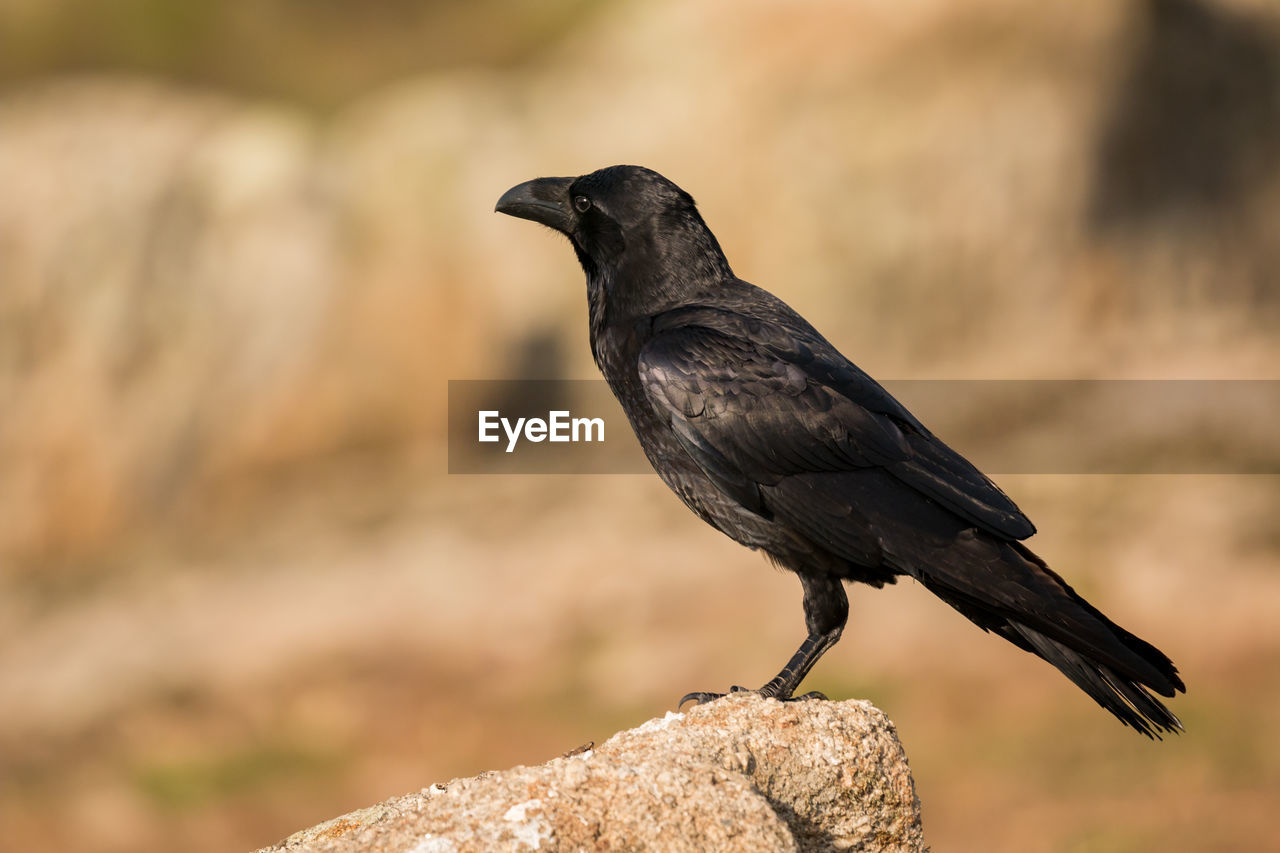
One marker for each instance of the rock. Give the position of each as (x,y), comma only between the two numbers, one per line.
(741,773)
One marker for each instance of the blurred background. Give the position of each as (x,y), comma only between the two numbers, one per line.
(245,244)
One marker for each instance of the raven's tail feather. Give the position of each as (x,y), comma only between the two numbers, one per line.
(1116,669)
(1129,700)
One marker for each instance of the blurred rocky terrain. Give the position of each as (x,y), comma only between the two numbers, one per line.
(243,248)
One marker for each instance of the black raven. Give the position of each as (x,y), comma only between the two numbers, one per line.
(773,437)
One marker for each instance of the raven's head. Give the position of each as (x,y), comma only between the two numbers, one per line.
(638,236)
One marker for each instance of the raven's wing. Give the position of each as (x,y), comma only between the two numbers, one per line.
(754,401)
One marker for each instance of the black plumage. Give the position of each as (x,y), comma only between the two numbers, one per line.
(772,436)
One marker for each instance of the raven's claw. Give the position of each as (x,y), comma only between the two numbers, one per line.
(702,697)
(698,698)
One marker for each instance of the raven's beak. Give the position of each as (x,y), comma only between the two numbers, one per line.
(544,200)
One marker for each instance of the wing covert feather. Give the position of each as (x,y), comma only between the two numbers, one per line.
(754,401)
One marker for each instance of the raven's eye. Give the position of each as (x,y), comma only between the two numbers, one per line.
(581,203)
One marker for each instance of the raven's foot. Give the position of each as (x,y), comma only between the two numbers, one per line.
(701,698)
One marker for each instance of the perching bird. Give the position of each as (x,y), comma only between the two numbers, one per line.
(773,437)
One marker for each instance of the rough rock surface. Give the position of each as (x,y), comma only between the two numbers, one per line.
(742,773)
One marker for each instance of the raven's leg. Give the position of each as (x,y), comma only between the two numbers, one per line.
(826,609)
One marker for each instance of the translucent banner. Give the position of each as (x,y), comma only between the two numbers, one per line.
(1002,426)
